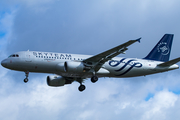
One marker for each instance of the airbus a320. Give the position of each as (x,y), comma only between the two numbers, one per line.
(75,67)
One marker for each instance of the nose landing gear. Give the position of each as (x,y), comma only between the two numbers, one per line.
(26,74)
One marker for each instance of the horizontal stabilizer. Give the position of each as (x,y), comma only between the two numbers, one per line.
(169,63)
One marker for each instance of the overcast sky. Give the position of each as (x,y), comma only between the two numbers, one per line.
(88,27)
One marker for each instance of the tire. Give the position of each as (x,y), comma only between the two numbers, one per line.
(82,88)
(94,79)
(25,80)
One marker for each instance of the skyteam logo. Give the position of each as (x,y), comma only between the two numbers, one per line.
(123,66)
(163,48)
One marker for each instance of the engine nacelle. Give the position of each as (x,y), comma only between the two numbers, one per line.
(61,67)
(56,81)
(74,67)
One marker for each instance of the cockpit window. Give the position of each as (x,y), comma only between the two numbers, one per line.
(14,55)
(10,55)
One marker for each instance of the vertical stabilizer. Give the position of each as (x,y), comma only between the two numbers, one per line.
(162,50)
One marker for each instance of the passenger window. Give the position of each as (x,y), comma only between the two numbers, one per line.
(17,55)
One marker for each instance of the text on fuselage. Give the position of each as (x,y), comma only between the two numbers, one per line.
(68,56)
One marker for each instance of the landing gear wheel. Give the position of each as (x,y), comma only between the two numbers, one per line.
(94,79)
(26,80)
(82,88)
(26,74)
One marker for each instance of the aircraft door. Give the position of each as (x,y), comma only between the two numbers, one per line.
(28,57)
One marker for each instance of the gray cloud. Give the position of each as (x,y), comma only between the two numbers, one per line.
(107,99)
(64,26)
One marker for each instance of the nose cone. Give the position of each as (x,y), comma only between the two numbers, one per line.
(4,63)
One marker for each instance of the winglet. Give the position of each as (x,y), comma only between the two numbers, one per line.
(138,40)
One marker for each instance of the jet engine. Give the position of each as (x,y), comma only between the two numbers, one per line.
(60,67)
(56,81)
(73,67)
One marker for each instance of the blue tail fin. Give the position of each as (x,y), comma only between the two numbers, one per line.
(162,50)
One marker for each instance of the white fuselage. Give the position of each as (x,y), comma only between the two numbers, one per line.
(48,62)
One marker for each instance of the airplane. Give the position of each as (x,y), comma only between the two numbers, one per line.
(68,68)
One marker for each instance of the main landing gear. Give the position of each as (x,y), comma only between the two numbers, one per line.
(94,79)
(26,74)
(83,87)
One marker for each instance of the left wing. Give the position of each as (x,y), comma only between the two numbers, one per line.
(98,60)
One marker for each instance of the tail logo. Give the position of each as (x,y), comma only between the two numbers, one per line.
(163,48)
